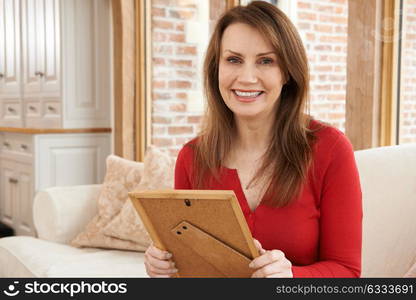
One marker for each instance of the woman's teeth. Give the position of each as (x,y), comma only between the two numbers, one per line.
(247,94)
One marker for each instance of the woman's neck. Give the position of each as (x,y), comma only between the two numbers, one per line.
(252,135)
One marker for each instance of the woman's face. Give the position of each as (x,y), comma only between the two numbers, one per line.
(250,80)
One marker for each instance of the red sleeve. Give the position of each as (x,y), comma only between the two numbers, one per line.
(340,220)
(183,162)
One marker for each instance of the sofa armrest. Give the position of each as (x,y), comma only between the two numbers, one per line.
(60,213)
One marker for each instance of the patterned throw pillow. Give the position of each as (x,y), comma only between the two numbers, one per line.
(122,176)
(158,174)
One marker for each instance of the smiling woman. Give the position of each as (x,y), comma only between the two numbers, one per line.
(295,178)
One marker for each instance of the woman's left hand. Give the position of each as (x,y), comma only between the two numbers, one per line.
(270,263)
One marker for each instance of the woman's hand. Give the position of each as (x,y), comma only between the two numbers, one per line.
(158,263)
(271,263)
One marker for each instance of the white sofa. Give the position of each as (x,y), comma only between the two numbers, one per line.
(388,179)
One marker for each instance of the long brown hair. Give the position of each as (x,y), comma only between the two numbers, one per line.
(289,154)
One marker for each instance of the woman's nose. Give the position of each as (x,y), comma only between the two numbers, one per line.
(248,74)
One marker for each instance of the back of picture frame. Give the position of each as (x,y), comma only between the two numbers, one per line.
(205,230)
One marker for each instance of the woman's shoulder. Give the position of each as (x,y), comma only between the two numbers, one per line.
(187,150)
(328,136)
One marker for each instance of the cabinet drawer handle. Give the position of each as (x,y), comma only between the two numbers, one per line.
(38,73)
(23,146)
(51,108)
(6,144)
(11,109)
(32,108)
(13,180)
(1,75)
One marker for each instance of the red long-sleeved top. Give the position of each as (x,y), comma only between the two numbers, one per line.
(320,232)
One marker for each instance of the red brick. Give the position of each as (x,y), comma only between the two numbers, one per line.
(162,49)
(180,84)
(325,68)
(307,16)
(182,14)
(195,119)
(188,74)
(182,96)
(162,142)
(161,96)
(323,47)
(336,97)
(161,120)
(159,24)
(303,5)
(158,12)
(333,39)
(181,107)
(177,37)
(180,63)
(158,84)
(175,130)
(158,61)
(180,27)
(186,50)
(323,28)
(326,87)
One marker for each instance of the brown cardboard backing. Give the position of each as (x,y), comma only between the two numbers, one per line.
(214,239)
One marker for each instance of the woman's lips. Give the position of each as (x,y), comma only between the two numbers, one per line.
(247,99)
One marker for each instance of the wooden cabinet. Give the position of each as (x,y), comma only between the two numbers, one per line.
(61,77)
(32,162)
(10,64)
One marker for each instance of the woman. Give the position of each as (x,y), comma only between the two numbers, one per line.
(295,178)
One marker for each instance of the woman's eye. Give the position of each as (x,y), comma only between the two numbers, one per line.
(233,60)
(266,61)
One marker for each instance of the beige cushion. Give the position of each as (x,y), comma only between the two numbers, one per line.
(122,176)
(158,174)
(388,181)
(22,256)
(60,213)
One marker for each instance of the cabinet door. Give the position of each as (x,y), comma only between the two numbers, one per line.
(41,51)
(24,200)
(50,49)
(9,49)
(8,192)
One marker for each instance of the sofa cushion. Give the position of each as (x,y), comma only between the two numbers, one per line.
(25,257)
(122,176)
(388,181)
(60,213)
(158,174)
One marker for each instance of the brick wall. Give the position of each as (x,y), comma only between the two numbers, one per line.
(322,25)
(408,75)
(177,64)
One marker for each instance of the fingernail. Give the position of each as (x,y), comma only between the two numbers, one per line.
(174,270)
(250,265)
(168,255)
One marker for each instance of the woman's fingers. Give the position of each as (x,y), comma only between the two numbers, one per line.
(159,273)
(157,253)
(259,247)
(158,263)
(266,258)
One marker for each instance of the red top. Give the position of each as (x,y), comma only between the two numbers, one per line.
(320,232)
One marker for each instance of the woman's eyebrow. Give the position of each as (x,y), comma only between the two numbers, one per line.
(260,54)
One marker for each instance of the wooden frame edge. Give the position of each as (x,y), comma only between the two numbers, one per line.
(389,72)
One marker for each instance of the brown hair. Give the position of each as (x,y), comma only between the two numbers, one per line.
(289,153)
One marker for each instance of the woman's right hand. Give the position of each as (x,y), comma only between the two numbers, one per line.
(158,263)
